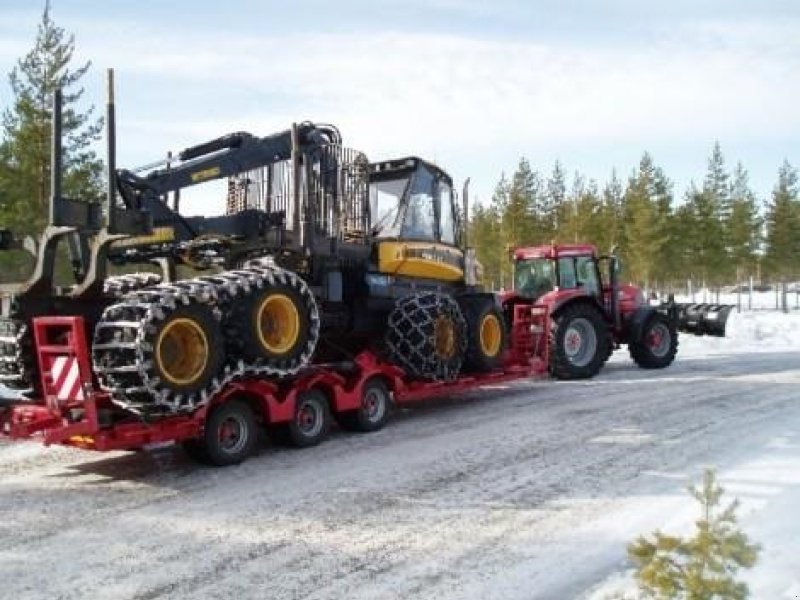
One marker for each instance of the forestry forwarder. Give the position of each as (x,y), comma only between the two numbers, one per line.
(339,256)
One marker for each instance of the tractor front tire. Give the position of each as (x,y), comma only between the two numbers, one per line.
(427,336)
(578,342)
(657,344)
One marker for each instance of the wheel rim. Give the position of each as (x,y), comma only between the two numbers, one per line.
(491,335)
(373,404)
(659,340)
(232,434)
(278,323)
(580,342)
(444,335)
(182,351)
(309,418)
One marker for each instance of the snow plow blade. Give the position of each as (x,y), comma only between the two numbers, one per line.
(704,319)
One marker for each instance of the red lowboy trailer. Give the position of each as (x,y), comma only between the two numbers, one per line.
(74,411)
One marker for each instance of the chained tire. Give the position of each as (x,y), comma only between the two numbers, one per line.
(17,358)
(487,334)
(373,412)
(276,324)
(578,342)
(427,336)
(119,285)
(657,344)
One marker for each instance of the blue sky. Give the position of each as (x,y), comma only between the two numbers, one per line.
(472,85)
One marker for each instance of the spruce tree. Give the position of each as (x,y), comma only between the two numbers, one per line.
(702,567)
(743,225)
(783,225)
(26,126)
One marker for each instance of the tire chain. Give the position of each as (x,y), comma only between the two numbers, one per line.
(123,358)
(410,333)
(17,358)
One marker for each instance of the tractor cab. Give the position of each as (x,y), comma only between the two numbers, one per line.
(543,269)
(411,199)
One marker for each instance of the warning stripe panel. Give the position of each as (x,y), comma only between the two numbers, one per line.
(66,375)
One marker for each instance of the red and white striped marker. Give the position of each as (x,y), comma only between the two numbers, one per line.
(66,375)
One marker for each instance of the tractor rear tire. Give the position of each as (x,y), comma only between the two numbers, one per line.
(374,410)
(578,342)
(487,335)
(658,344)
(427,336)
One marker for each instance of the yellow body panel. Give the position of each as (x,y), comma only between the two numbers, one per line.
(159,236)
(421,259)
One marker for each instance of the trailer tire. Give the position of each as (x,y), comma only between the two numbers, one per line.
(229,437)
(657,344)
(427,336)
(578,342)
(487,335)
(311,421)
(374,410)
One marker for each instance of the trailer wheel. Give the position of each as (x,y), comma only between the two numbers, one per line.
(427,336)
(277,324)
(374,411)
(486,334)
(657,345)
(230,435)
(578,339)
(312,419)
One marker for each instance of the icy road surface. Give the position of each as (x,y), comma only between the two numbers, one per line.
(529,491)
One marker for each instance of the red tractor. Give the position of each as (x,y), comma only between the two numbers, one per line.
(591,314)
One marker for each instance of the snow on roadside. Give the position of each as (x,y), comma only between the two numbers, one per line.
(768,486)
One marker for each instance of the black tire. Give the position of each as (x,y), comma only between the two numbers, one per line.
(578,342)
(187,352)
(311,422)
(487,334)
(257,331)
(427,336)
(374,411)
(229,437)
(657,345)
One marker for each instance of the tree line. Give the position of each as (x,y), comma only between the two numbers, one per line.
(715,234)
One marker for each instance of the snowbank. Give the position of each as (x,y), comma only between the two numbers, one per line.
(747,332)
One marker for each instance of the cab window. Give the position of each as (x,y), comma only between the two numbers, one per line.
(566,273)
(447,224)
(420,218)
(587,275)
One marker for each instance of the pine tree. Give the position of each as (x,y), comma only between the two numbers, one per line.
(701,567)
(783,225)
(612,211)
(25,148)
(743,225)
(554,199)
(646,199)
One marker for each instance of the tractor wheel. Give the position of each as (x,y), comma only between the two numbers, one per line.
(312,419)
(374,410)
(186,350)
(276,324)
(427,336)
(230,435)
(658,344)
(487,335)
(578,342)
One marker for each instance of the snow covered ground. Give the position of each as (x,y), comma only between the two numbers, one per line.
(526,491)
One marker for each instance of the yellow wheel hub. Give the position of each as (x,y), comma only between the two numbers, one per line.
(491,335)
(278,323)
(182,351)
(444,335)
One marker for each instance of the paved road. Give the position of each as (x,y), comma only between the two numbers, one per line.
(529,491)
